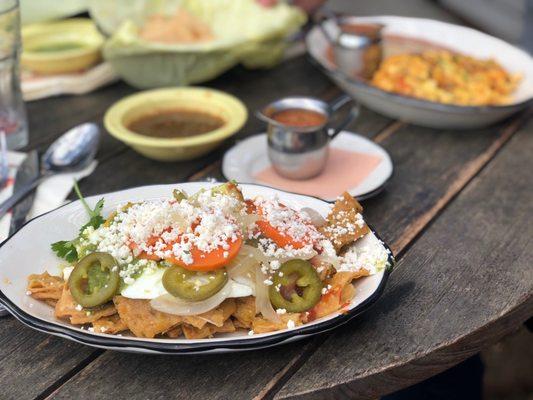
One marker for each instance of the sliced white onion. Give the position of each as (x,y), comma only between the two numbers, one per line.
(244,273)
(247,221)
(262,299)
(316,219)
(176,306)
(242,268)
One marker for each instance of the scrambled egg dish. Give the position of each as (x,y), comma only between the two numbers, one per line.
(446,77)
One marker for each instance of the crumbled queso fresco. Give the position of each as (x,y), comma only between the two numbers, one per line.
(168,228)
(208,223)
(295,224)
(368,252)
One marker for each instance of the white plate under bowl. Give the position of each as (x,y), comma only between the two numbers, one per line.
(426,113)
(244,160)
(28,252)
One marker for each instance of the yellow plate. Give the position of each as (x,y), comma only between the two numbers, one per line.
(61,47)
(220,104)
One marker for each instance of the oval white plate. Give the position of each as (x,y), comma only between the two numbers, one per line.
(18,260)
(244,160)
(426,113)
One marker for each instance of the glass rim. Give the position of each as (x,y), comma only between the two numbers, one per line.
(11,5)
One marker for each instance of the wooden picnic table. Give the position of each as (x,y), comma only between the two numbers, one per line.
(457,214)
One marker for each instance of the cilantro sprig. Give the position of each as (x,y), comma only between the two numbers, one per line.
(66,249)
(95,215)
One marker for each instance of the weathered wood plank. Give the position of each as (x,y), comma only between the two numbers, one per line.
(133,376)
(465,283)
(431,167)
(49,118)
(32,360)
(407,8)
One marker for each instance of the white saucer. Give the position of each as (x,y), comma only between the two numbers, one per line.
(244,160)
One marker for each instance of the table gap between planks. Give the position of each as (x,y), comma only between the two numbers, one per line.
(455,214)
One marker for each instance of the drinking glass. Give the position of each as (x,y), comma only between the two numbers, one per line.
(12,111)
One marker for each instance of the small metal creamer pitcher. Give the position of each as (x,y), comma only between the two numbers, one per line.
(357,47)
(301,152)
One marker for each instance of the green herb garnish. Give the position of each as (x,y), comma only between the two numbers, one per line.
(66,249)
(95,216)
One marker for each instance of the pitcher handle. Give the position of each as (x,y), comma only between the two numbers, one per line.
(336,105)
(320,16)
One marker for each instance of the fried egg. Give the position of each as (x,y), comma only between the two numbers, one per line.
(149,285)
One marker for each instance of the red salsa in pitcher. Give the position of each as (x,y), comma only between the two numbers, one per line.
(299,117)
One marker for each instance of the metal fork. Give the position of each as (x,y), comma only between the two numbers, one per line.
(4,167)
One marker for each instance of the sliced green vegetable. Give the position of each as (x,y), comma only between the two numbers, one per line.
(229,188)
(193,285)
(298,288)
(94,280)
(179,195)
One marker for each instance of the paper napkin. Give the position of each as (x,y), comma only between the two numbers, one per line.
(51,193)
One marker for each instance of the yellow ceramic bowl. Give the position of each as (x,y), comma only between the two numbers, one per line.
(61,47)
(219,104)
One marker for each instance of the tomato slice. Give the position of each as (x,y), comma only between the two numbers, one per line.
(215,259)
(250,206)
(143,254)
(202,261)
(280,238)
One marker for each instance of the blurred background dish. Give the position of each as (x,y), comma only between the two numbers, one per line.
(403,35)
(46,10)
(66,46)
(176,123)
(155,44)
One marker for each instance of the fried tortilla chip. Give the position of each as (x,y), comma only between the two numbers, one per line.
(228,306)
(245,311)
(227,327)
(328,303)
(51,303)
(347,293)
(67,307)
(262,325)
(343,278)
(341,292)
(191,332)
(175,332)
(345,223)
(216,316)
(195,321)
(45,286)
(208,330)
(111,325)
(142,319)
(239,325)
